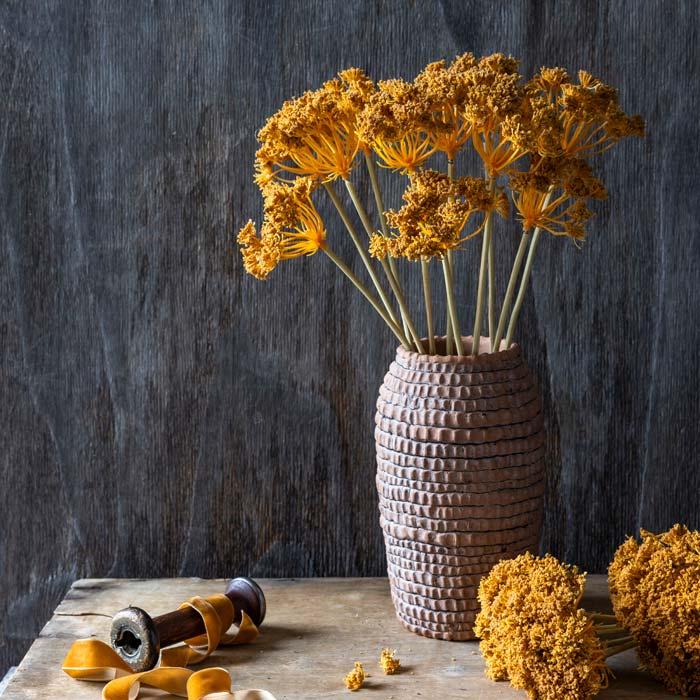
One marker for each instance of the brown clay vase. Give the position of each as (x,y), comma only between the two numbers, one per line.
(460,476)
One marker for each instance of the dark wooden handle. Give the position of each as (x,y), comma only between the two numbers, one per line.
(177,626)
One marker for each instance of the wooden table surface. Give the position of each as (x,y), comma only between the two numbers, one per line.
(315,629)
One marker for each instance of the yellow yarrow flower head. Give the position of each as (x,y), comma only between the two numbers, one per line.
(552,195)
(260,254)
(292,227)
(500,131)
(435,212)
(580,119)
(397,123)
(445,90)
(655,590)
(389,663)
(314,134)
(533,633)
(356,677)
(379,246)
(494,91)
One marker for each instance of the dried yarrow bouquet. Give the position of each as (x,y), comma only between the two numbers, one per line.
(459,433)
(535,634)
(534,138)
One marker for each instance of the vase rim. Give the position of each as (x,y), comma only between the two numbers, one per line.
(485,355)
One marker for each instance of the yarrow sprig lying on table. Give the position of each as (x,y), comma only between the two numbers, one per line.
(534,139)
(534,634)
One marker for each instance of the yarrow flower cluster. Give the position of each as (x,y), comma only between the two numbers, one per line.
(389,662)
(535,635)
(655,590)
(292,227)
(435,214)
(534,138)
(356,678)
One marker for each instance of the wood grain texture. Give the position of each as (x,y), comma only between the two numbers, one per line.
(314,631)
(163,414)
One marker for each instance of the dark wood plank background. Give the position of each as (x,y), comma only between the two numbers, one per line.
(162,414)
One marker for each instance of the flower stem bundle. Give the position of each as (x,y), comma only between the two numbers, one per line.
(534,138)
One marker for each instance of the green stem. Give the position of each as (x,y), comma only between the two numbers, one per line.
(512,281)
(405,315)
(449,342)
(395,275)
(393,281)
(379,200)
(374,179)
(523,286)
(425,272)
(486,242)
(603,617)
(624,645)
(363,255)
(449,331)
(486,268)
(610,634)
(451,307)
(491,295)
(366,293)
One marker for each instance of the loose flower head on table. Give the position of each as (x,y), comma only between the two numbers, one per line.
(534,139)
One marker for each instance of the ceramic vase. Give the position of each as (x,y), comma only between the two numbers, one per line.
(460,476)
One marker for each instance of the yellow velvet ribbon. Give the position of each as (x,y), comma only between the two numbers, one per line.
(93,660)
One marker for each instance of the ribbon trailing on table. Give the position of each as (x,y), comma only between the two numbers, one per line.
(93,660)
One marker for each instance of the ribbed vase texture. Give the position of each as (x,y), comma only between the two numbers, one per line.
(460,476)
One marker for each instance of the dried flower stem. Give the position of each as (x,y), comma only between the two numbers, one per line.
(405,315)
(614,631)
(523,286)
(393,282)
(623,645)
(476,335)
(364,256)
(603,617)
(374,179)
(491,295)
(425,272)
(379,200)
(366,293)
(449,334)
(605,626)
(512,281)
(451,306)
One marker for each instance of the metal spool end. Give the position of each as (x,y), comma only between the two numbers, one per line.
(247,595)
(133,636)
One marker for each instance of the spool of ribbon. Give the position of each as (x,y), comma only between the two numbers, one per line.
(93,660)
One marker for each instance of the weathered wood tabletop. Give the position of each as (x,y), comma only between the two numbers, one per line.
(315,629)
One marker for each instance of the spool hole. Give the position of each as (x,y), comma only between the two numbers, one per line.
(128,642)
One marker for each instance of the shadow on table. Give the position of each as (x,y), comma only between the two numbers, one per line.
(597,601)
(270,638)
(631,682)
